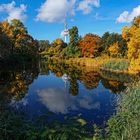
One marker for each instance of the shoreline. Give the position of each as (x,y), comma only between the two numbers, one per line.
(96,63)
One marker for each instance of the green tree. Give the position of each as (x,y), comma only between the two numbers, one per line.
(74,36)
(44,45)
(104,40)
(73,49)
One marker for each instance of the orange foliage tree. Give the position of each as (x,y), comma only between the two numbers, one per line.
(90,45)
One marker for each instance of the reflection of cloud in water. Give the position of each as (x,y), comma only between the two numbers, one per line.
(58,102)
(87,103)
(55,100)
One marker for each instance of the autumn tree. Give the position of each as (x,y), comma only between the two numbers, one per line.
(56,47)
(109,39)
(8,31)
(4,44)
(132,36)
(90,45)
(114,49)
(21,43)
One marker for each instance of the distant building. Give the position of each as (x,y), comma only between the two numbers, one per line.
(65,32)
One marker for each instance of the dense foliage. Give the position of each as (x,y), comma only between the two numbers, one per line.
(121,65)
(15,41)
(90,45)
(111,40)
(132,36)
(43,45)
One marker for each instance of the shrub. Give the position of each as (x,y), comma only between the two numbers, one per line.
(135,66)
(120,65)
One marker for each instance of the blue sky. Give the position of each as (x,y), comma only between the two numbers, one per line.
(44,18)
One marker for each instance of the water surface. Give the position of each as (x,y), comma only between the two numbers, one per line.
(63,93)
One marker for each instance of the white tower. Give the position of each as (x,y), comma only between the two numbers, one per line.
(65,33)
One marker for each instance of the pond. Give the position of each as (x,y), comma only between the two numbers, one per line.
(62,93)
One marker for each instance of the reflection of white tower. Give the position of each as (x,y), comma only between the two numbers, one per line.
(65,79)
(65,33)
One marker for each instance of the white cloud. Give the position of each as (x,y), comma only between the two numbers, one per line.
(13,11)
(87,5)
(51,11)
(56,11)
(97,16)
(129,16)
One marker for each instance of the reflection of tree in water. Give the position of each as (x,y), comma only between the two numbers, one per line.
(15,83)
(44,69)
(114,86)
(57,69)
(73,88)
(90,79)
(115,76)
(73,73)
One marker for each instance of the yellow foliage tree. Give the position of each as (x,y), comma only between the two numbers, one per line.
(113,49)
(20,40)
(132,36)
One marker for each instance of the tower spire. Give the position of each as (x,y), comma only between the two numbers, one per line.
(65,32)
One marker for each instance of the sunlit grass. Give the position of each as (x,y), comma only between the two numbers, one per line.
(116,65)
(125,124)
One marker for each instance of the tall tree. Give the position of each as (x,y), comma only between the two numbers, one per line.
(74,36)
(73,49)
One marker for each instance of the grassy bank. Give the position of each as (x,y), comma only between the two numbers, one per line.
(125,124)
(83,61)
(116,65)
